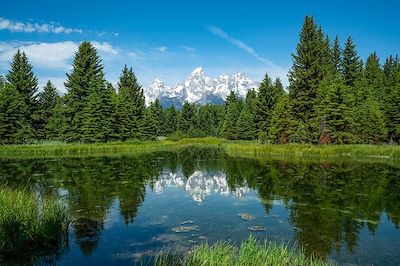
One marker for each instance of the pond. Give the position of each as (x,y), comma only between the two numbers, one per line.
(126,209)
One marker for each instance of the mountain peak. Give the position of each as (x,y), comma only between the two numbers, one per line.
(200,89)
(199,71)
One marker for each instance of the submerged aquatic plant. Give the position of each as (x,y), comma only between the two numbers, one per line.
(28,223)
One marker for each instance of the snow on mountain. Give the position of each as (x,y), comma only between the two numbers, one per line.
(199,88)
(199,185)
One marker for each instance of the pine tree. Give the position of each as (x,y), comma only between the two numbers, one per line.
(267,97)
(373,74)
(246,129)
(127,126)
(99,116)
(128,82)
(56,124)
(311,64)
(2,81)
(157,112)
(351,64)
(187,118)
(86,79)
(282,122)
(148,125)
(233,110)
(171,115)
(47,100)
(22,78)
(14,127)
(336,55)
(336,112)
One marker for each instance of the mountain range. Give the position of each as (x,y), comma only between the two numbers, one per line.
(199,88)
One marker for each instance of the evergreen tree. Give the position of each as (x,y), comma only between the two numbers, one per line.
(157,112)
(22,78)
(14,127)
(233,110)
(56,124)
(311,64)
(351,64)
(98,117)
(171,115)
(86,85)
(148,125)
(245,127)
(2,81)
(282,122)
(47,100)
(336,55)
(128,82)
(127,123)
(336,112)
(187,118)
(267,97)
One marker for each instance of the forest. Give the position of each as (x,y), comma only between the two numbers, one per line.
(333,97)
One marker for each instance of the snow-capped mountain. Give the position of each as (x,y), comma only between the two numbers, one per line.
(198,88)
(199,185)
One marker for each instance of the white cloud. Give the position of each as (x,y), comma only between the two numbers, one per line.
(51,56)
(239,44)
(27,27)
(188,48)
(161,49)
(57,81)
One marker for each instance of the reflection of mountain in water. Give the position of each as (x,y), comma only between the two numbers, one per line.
(200,184)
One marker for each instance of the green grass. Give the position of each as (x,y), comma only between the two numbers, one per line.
(248,149)
(27,223)
(250,253)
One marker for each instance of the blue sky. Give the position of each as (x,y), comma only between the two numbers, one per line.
(168,39)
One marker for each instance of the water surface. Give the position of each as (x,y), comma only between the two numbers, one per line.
(128,208)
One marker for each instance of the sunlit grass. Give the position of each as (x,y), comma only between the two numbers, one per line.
(28,223)
(249,149)
(250,253)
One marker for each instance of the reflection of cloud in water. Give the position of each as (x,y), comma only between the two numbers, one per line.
(200,184)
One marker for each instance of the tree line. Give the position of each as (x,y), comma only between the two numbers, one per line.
(333,97)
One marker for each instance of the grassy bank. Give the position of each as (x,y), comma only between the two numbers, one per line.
(27,223)
(248,149)
(250,253)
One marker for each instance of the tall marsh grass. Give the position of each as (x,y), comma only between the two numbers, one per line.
(250,253)
(28,223)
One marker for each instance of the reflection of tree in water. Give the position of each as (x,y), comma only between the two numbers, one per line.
(329,203)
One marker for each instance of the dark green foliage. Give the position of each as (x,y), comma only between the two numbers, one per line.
(267,97)
(48,99)
(336,112)
(336,53)
(282,122)
(56,124)
(351,63)
(129,105)
(311,64)
(158,115)
(232,113)
(171,115)
(86,79)
(148,125)
(187,119)
(22,78)
(14,127)
(245,127)
(2,81)
(99,116)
